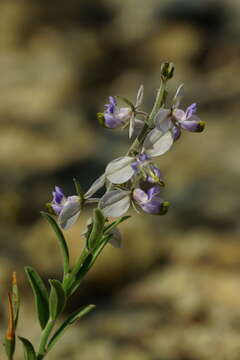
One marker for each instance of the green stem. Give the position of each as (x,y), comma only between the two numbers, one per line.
(159,101)
(71,276)
(44,339)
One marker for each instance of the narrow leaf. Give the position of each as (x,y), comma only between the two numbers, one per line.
(57,299)
(115,223)
(29,352)
(77,315)
(97,229)
(61,240)
(40,294)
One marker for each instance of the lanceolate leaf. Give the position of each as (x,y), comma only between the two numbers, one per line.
(88,263)
(61,240)
(71,320)
(40,294)
(57,299)
(29,352)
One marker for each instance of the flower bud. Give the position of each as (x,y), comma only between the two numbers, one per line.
(167,70)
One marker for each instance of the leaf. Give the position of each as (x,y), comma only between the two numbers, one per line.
(88,263)
(115,223)
(97,229)
(61,240)
(40,294)
(57,299)
(77,315)
(29,352)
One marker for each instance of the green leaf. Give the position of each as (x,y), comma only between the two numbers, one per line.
(77,315)
(115,223)
(97,229)
(40,294)
(29,352)
(57,299)
(61,240)
(88,263)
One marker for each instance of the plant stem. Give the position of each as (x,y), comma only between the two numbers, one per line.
(159,101)
(44,339)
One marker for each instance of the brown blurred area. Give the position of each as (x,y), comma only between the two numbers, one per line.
(173,291)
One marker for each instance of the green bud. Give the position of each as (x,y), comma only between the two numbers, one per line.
(101,119)
(167,70)
(164,208)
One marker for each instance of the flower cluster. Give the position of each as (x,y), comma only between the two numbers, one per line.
(133,179)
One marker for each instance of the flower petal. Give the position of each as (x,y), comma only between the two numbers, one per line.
(116,239)
(162,120)
(115,203)
(70,212)
(119,170)
(140,196)
(193,124)
(95,186)
(157,143)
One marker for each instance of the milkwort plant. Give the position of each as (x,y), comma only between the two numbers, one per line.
(130,180)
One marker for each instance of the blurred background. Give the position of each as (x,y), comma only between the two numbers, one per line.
(173,291)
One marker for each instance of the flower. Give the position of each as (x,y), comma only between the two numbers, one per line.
(66,208)
(115,117)
(150,201)
(177,119)
(124,168)
(115,203)
(69,208)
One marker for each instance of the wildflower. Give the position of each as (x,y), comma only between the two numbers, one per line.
(114,117)
(115,203)
(150,201)
(69,208)
(124,168)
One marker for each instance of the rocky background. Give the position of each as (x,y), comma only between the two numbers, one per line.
(173,291)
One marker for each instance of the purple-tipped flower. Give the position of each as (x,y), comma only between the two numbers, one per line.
(116,203)
(177,119)
(115,117)
(67,209)
(58,200)
(150,201)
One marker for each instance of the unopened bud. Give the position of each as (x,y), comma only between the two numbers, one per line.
(167,70)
